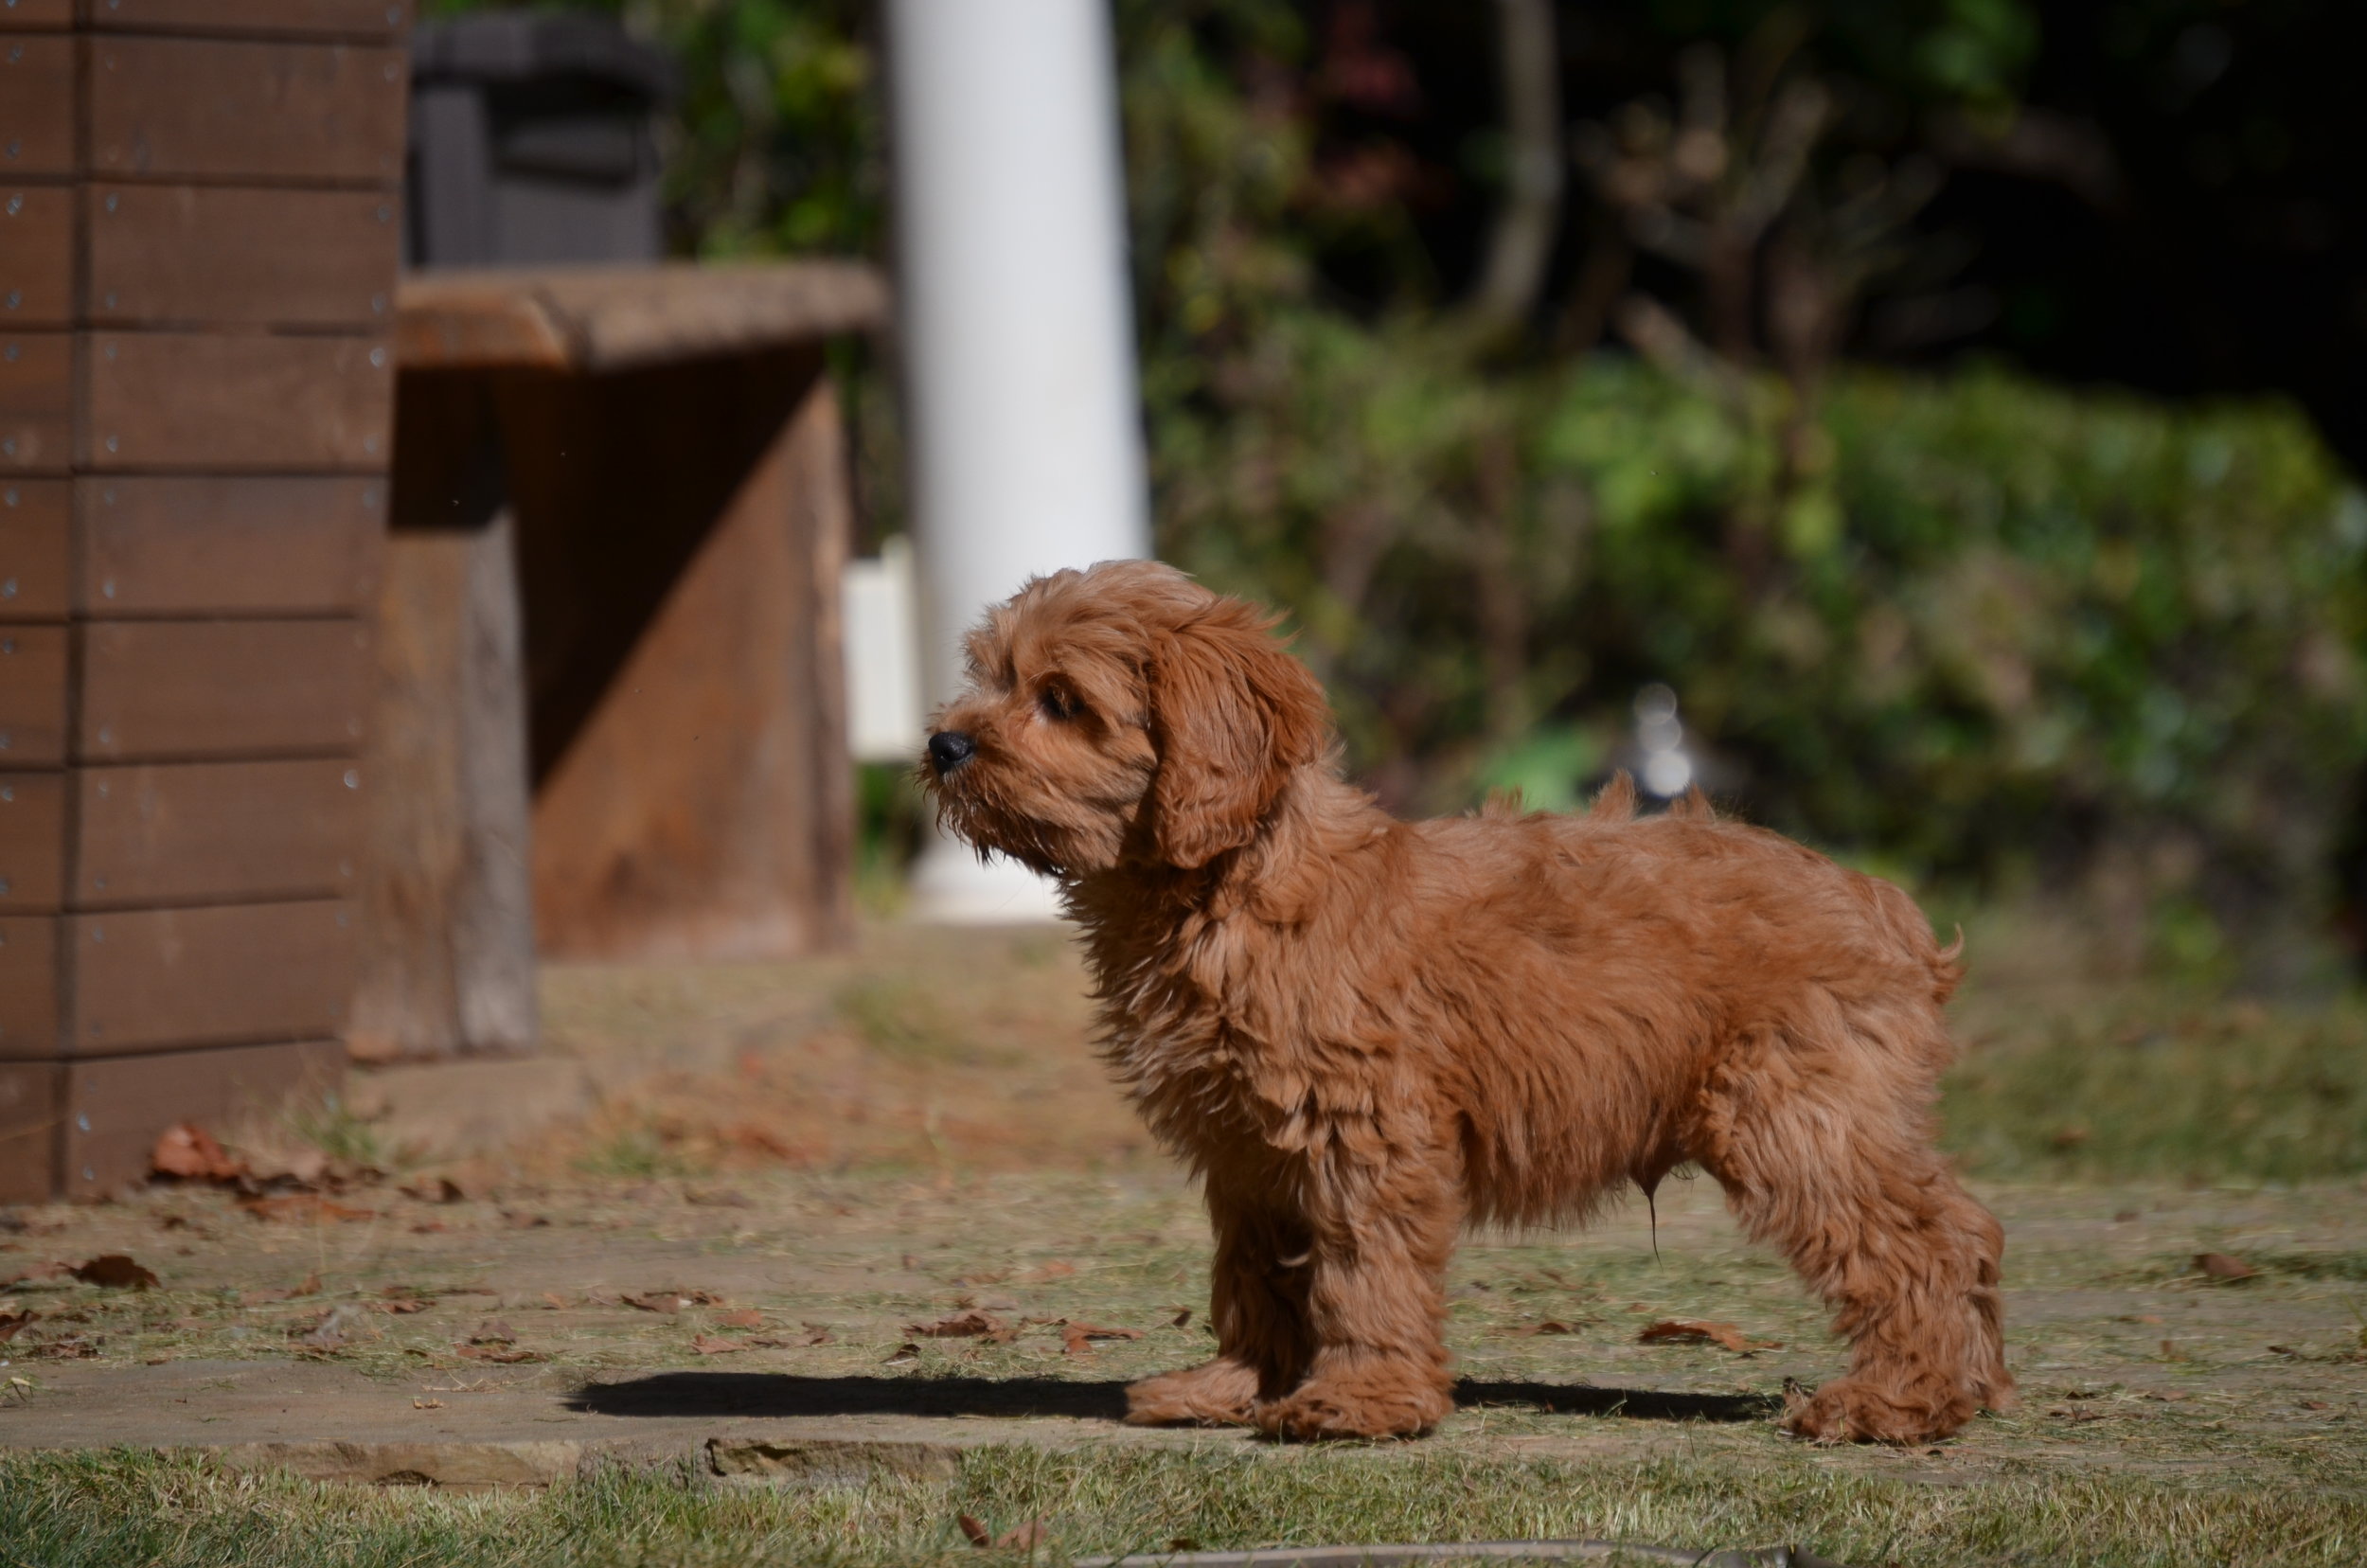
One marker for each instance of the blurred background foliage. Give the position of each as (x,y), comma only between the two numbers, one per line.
(1942,397)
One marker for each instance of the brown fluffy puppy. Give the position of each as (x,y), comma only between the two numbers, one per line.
(1365,1034)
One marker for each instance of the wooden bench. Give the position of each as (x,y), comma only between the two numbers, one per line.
(609,719)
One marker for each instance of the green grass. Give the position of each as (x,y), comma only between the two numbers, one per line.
(2196,1090)
(123,1510)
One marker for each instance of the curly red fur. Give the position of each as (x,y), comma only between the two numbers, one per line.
(1365,1034)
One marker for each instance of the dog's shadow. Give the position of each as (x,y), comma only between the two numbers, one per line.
(768,1394)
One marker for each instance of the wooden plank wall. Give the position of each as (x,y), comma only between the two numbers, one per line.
(200,221)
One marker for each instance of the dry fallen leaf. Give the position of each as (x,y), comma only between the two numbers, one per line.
(708,1346)
(973,1325)
(2171,1352)
(190,1153)
(432,1189)
(1550,1325)
(773,1342)
(1183,1316)
(302,1205)
(493,1331)
(1025,1537)
(1076,1338)
(976,1532)
(2220,1266)
(555,1301)
(335,1330)
(747,1317)
(114,1269)
(404,1304)
(903,1353)
(673,1301)
(1671,1332)
(427,1404)
(496,1354)
(13,1324)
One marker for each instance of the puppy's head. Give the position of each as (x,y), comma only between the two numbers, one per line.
(1122,715)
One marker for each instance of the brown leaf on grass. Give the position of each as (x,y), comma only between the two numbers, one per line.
(520,1219)
(114,1269)
(2171,1352)
(308,1285)
(1183,1317)
(430,1228)
(1550,1325)
(302,1205)
(13,1324)
(673,1301)
(1076,1338)
(427,1404)
(747,1317)
(971,1325)
(813,1335)
(403,1306)
(493,1331)
(496,1354)
(432,1189)
(1671,1332)
(903,1353)
(335,1328)
(187,1153)
(2220,1266)
(974,1529)
(708,1345)
(73,1347)
(556,1302)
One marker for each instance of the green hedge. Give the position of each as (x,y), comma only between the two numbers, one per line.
(1961,625)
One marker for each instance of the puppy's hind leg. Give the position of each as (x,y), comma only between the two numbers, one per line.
(1258,1305)
(1824,1148)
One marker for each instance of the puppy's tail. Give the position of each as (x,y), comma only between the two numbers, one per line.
(1616,803)
(1947,972)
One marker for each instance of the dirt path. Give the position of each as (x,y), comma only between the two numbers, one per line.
(671,1311)
(789,1171)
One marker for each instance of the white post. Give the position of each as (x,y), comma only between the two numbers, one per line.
(1019,363)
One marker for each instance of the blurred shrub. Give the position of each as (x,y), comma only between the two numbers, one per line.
(1954,622)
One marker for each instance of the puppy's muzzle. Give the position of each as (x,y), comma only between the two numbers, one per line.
(950,749)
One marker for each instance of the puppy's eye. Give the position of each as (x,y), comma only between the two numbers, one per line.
(1056,704)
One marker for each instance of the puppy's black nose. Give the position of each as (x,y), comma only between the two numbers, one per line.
(950,749)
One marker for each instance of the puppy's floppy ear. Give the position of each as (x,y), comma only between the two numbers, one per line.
(1232,714)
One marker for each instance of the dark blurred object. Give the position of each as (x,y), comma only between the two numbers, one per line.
(531,142)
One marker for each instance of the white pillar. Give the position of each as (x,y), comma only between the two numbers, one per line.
(1023,414)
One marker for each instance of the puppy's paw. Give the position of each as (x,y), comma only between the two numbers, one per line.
(1374,1402)
(1217,1393)
(1848,1411)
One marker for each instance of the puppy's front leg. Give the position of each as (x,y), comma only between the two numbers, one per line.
(1383,1229)
(1258,1303)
